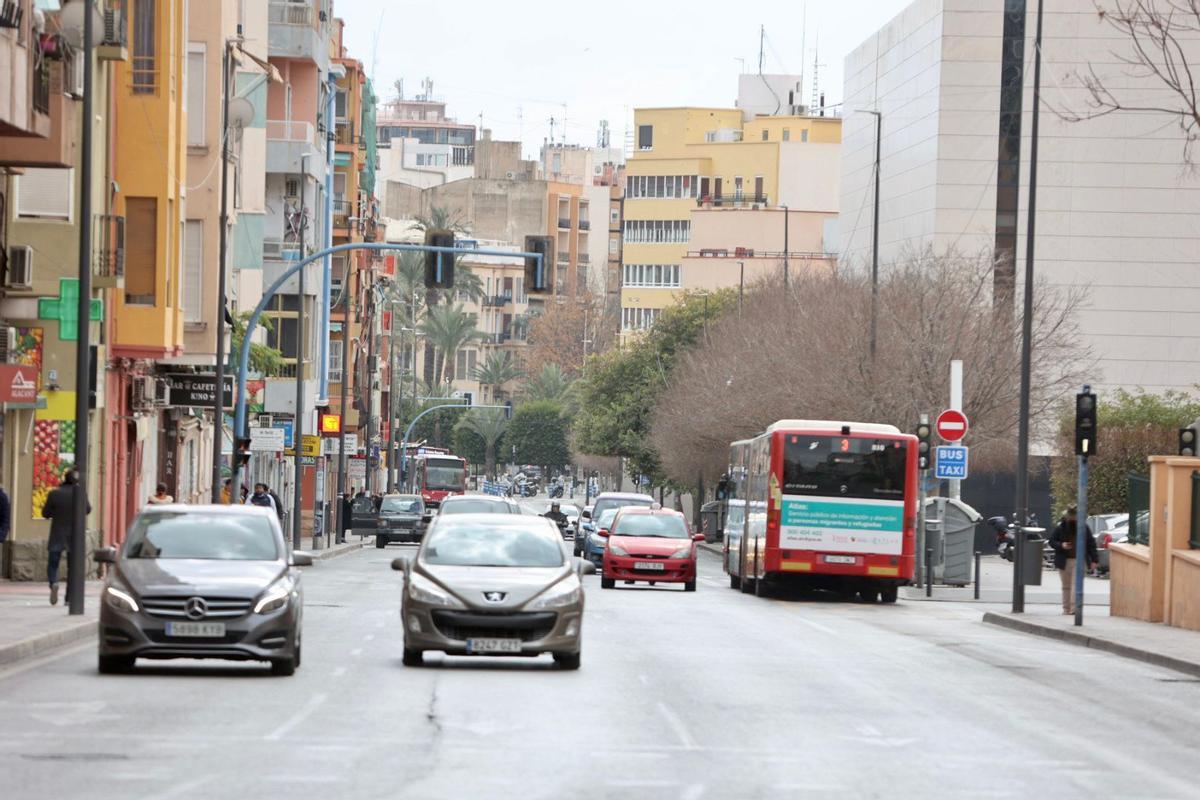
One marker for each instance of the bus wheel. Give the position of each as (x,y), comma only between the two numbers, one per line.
(734,581)
(869,595)
(760,587)
(888,593)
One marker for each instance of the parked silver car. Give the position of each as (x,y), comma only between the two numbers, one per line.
(202,582)
(493,584)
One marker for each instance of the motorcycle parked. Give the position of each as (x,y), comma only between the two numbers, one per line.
(1006,538)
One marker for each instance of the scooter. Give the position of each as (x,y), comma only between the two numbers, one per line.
(1006,539)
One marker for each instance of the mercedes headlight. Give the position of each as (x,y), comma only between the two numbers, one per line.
(564,593)
(424,590)
(683,552)
(616,549)
(120,599)
(275,597)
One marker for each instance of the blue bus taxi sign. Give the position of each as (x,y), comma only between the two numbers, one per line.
(951,463)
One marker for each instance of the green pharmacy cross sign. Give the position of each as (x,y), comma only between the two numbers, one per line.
(65,309)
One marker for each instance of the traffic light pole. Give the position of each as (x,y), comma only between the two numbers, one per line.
(270,292)
(1080,538)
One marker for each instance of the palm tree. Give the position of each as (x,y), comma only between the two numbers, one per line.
(497,369)
(488,424)
(549,384)
(447,329)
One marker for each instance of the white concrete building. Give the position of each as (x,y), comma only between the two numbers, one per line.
(1117,212)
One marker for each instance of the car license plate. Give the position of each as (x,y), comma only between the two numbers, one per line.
(203,630)
(841,560)
(493,645)
(652,566)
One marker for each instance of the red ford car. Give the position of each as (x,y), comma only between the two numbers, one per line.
(649,544)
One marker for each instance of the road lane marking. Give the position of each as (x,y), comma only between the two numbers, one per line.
(297,718)
(685,737)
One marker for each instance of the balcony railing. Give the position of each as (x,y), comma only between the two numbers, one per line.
(732,200)
(281,130)
(563,258)
(585,225)
(750,252)
(492,301)
(275,249)
(283,12)
(564,222)
(346,135)
(108,250)
(583,258)
(41,87)
(343,210)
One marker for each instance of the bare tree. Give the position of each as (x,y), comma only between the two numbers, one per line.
(1163,37)
(804,353)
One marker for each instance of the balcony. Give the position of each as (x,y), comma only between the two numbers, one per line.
(343,210)
(585,224)
(493,301)
(115,44)
(583,258)
(563,258)
(296,30)
(54,144)
(564,223)
(733,200)
(276,249)
(346,135)
(288,141)
(108,252)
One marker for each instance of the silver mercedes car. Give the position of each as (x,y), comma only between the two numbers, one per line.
(202,582)
(494,585)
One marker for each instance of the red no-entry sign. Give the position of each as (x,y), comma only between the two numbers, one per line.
(951,425)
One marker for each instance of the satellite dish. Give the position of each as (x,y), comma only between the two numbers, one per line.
(241,112)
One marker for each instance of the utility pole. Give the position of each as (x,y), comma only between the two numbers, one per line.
(741,283)
(1018,602)
(222,289)
(370,387)
(298,423)
(344,391)
(875,236)
(76,560)
(393,364)
(786,215)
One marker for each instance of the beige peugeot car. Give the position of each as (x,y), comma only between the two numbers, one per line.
(493,585)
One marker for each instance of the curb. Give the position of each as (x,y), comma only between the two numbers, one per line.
(336,551)
(1085,640)
(36,645)
(715,549)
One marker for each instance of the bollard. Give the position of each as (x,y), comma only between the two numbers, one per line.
(929,572)
(977,555)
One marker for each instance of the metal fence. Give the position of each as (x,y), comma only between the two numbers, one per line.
(1139,508)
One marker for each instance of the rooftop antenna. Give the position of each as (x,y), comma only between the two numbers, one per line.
(816,92)
(375,47)
(803,43)
(762,36)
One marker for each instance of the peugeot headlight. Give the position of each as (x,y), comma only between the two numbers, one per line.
(564,593)
(424,590)
(616,549)
(120,599)
(683,552)
(275,597)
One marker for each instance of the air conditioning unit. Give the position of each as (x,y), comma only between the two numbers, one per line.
(143,392)
(114,26)
(291,189)
(162,392)
(8,343)
(20,267)
(265,421)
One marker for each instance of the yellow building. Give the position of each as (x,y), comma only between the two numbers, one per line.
(686,159)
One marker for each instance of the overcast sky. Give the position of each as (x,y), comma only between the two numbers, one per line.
(524,62)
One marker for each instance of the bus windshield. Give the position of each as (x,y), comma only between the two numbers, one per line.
(445,477)
(841,466)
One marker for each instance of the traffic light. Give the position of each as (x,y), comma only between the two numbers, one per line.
(439,267)
(241,450)
(1187,441)
(538,279)
(508,415)
(1085,422)
(924,433)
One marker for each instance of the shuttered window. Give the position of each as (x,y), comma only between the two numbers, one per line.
(141,247)
(195,93)
(46,193)
(193,271)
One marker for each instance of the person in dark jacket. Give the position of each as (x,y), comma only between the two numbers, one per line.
(1062,541)
(60,510)
(5,516)
(347,513)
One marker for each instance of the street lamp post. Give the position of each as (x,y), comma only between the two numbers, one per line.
(222,289)
(875,233)
(786,219)
(298,423)
(344,392)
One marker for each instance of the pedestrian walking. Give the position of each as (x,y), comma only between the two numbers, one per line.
(278,504)
(347,513)
(263,496)
(160,496)
(1062,541)
(227,491)
(60,510)
(5,516)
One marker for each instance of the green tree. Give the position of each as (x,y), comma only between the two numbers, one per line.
(1131,426)
(549,383)
(447,329)
(496,370)
(621,387)
(265,361)
(479,432)
(539,431)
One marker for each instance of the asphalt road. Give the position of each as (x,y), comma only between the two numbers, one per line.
(708,695)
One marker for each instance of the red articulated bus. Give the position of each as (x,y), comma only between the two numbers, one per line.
(829,505)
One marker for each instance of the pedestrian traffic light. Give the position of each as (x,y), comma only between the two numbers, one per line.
(439,267)
(1187,441)
(241,450)
(924,432)
(537,277)
(508,414)
(1085,422)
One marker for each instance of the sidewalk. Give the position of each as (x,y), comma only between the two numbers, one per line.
(352,544)
(29,625)
(1154,643)
(995,586)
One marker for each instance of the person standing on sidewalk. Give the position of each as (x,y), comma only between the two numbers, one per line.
(5,516)
(160,496)
(1062,541)
(60,510)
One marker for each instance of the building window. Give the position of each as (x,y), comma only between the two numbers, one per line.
(464,364)
(47,193)
(339,104)
(804,135)
(195,93)
(335,360)
(787,134)
(637,319)
(645,137)
(764,134)
(141,248)
(193,271)
(644,231)
(145,62)
(651,276)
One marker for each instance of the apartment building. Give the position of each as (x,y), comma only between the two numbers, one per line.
(420,145)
